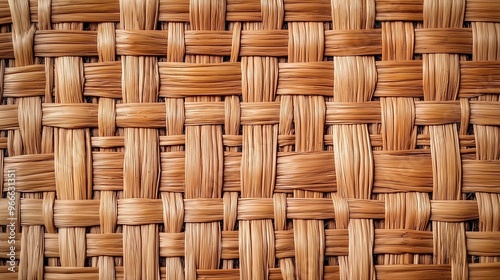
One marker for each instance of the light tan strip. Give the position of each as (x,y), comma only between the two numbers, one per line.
(443,40)
(24,81)
(50,43)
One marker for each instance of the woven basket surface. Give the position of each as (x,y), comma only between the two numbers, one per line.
(250,139)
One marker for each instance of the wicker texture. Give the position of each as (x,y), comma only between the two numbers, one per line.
(247,139)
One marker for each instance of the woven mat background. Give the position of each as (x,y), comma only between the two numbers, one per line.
(250,139)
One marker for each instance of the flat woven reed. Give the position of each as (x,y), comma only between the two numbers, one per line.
(250,139)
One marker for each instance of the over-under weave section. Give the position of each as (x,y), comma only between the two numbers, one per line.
(250,139)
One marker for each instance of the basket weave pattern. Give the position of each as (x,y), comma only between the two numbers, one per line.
(250,139)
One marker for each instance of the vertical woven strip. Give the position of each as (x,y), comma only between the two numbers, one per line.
(441,82)
(141,155)
(258,162)
(173,203)
(487,48)
(28,139)
(231,129)
(204,154)
(305,44)
(399,133)
(107,128)
(71,153)
(355,82)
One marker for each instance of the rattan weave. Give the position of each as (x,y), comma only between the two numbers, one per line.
(250,139)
